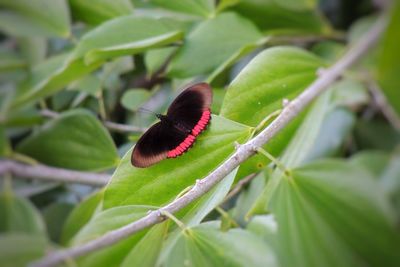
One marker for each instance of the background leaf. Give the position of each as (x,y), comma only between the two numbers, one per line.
(98,11)
(72,135)
(215,41)
(19,249)
(41,17)
(357,224)
(125,36)
(205,245)
(19,215)
(80,215)
(389,65)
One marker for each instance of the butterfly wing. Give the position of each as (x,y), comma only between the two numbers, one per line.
(188,107)
(166,139)
(155,143)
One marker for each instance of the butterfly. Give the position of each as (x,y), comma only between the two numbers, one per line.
(176,132)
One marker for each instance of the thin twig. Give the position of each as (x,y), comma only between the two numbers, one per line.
(241,154)
(383,105)
(43,172)
(239,186)
(112,126)
(123,128)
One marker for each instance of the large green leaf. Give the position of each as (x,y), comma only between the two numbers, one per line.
(33,18)
(212,43)
(19,215)
(20,249)
(162,182)
(274,74)
(332,213)
(125,36)
(51,76)
(98,11)
(283,15)
(206,245)
(389,60)
(258,91)
(75,139)
(311,141)
(203,8)
(80,216)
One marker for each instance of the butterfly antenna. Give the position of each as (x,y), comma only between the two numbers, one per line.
(143,110)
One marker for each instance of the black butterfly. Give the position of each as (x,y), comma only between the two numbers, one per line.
(176,132)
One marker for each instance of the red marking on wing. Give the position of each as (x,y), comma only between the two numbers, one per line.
(189,140)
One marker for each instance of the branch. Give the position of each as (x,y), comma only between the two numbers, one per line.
(39,171)
(242,153)
(239,186)
(382,103)
(116,127)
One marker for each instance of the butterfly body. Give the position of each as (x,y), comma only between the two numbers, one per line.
(187,116)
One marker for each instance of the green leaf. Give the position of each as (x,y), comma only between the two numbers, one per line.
(329,50)
(90,84)
(197,211)
(390,181)
(162,182)
(75,139)
(247,198)
(206,245)
(111,219)
(274,15)
(389,60)
(38,18)
(335,129)
(33,49)
(20,249)
(97,11)
(4,143)
(125,35)
(350,93)
(18,215)
(258,91)
(213,43)
(264,226)
(104,222)
(318,226)
(55,216)
(368,135)
(146,251)
(156,58)
(80,216)
(203,8)
(274,74)
(374,161)
(49,77)
(9,61)
(132,99)
(311,141)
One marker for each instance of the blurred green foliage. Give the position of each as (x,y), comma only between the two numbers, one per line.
(70,70)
